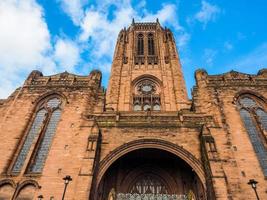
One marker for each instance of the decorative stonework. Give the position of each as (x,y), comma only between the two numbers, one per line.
(152,119)
(151,143)
(199,147)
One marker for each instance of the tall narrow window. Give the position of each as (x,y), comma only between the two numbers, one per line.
(140,44)
(42,130)
(151,48)
(252,112)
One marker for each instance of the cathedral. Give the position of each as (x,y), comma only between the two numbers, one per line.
(67,137)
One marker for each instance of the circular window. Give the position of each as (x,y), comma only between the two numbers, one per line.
(146,87)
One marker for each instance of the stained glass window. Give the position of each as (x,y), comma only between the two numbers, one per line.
(137,107)
(262,115)
(43,149)
(34,131)
(147,107)
(247,102)
(148,185)
(53,103)
(146,96)
(251,112)
(43,127)
(156,107)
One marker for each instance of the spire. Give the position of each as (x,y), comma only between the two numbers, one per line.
(133,21)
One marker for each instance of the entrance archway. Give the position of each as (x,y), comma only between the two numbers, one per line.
(150,169)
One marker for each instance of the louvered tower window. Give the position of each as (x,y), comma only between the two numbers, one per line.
(40,135)
(151,47)
(140,45)
(255,120)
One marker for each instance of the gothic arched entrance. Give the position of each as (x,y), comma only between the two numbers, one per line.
(148,173)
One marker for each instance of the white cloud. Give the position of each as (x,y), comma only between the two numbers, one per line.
(101,31)
(254,60)
(74,8)
(207,13)
(241,36)
(24,41)
(25,44)
(228,46)
(24,34)
(66,54)
(209,55)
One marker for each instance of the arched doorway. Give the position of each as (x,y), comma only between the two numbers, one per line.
(152,174)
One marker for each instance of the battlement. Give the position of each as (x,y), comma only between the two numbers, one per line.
(65,79)
(145,25)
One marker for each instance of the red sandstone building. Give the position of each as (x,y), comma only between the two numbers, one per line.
(142,137)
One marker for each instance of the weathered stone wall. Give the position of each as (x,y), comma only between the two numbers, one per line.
(167,70)
(206,132)
(67,151)
(237,162)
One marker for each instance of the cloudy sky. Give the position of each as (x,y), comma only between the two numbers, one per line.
(79,35)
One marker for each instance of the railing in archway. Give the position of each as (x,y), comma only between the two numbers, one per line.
(128,196)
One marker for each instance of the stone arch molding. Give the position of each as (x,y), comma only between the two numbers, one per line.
(250,93)
(147,76)
(177,150)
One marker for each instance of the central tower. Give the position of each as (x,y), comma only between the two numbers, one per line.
(146,71)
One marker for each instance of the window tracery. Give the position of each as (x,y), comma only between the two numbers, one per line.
(42,130)
(145,50)
(146,96)
(147,184)
(254,118)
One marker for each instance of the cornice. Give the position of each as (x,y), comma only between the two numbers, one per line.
(151,119)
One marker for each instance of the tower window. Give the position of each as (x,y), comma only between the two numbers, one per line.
(151,48)
(140,44)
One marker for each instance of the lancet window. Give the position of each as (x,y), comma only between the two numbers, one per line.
(140,44)
(254,118)
(146,96)
(151,47)
(40,134)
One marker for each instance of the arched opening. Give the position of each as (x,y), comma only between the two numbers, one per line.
(6,191)
(27,192)
(149,173)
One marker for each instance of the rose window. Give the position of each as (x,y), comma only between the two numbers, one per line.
(146,96)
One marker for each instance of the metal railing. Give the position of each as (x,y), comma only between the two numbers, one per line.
(128,196)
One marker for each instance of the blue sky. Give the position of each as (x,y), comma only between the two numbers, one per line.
(79,35)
